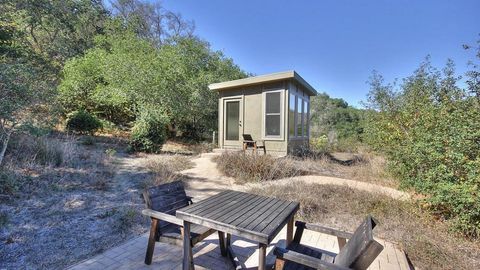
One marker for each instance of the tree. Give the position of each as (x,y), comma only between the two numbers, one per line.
(125,77)
(334,115)
(149,20)
(56,30)
(429,128)
(24,84)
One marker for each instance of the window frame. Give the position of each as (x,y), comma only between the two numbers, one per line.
(280,137)
(290,95)
(303,121)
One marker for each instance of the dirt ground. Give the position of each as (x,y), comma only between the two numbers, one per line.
(61,215)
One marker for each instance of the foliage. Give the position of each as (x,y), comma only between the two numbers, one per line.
(335,119)
(429,128)
(149,20)
(56,30)
(35,39)
(149,131)
(124,75)
(82,122)
(319,143)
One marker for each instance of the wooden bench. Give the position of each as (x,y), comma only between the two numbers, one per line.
(358,253)
(162,201)
(249,142)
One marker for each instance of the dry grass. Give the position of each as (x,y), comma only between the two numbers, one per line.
(427,242)
(252,168)
(166,168)
(186,148)
(363,166)
(28,151)
(54,183)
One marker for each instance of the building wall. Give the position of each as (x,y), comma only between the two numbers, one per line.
(252,99)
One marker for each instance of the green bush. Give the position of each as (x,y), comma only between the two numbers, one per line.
(430,131)
(319,143)
(82,122)
(149,132)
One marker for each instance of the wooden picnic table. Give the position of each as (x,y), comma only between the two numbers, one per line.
(253,217)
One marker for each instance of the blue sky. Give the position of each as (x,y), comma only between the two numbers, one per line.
(336,44)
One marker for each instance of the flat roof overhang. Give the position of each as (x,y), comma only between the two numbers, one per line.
(279,76)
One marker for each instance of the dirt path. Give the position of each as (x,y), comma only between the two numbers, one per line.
(207,180)
(204,178)
(326,180)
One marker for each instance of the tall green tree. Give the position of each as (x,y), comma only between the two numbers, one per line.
(124,75)
(56,30)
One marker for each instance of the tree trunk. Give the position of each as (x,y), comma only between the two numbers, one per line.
(4,147)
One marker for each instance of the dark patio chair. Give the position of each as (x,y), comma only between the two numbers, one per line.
(248,141)
(162,201)
(358,253)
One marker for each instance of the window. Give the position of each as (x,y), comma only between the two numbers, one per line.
(305,118)
(291,115)
(273,114)
(299,117)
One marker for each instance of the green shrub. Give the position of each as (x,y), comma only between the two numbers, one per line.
(149,132)
(82,122)
(319,143)
(429,130)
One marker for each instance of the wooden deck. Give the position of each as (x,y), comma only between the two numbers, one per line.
(131,254)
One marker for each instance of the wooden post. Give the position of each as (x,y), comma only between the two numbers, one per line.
(213,138)
(341,242)
(262,256)
(187,247)
(151,241)
(221,241)
(289,231)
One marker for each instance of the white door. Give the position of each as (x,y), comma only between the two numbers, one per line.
(232,122)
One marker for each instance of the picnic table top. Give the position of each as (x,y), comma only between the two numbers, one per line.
(251,216)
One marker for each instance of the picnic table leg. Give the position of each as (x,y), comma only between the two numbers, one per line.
(187,247)
(221,241)
(262,256)
(289,232)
